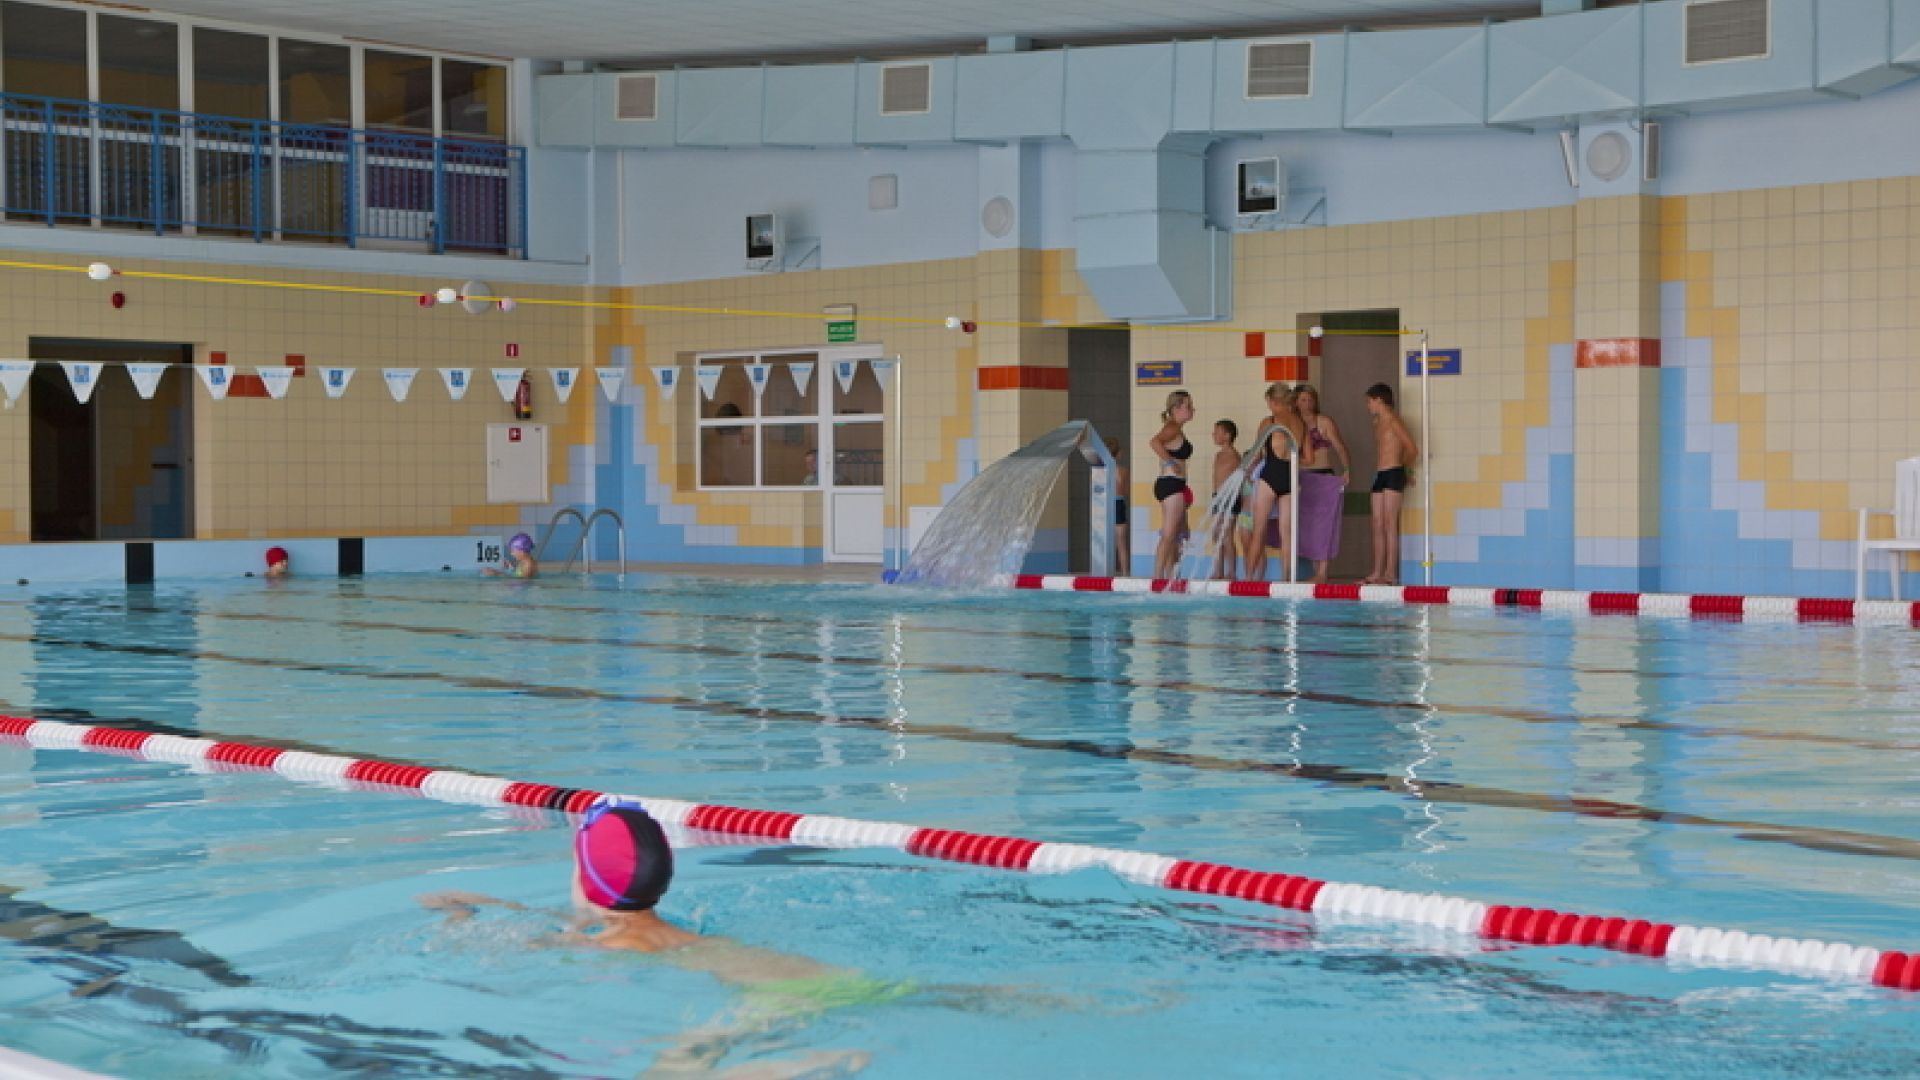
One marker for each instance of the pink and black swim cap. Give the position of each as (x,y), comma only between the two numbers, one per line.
(623,858)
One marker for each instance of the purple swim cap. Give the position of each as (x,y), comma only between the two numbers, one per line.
(520,542)
(624,861)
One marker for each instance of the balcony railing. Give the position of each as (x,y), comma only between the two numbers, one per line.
(84,163)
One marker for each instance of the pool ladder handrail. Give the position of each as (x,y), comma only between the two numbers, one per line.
(586,531)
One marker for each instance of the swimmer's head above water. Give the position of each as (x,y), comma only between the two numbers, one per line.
(621,858)
(520,542)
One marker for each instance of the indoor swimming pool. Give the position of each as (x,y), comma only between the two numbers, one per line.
(161,919)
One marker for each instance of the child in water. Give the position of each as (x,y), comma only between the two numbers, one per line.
(519,562)
(277,562)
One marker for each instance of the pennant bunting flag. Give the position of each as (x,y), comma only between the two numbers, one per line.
(563,379)
(457,380)
(83,376)
(399,381)
(668,378)
(13,378)
(709,377)
(146,378)
(277,379)
(218,380)
(802,376)
(883,371)
(507,380)
(843,371)
(757,375)
(612,379)
(335,379)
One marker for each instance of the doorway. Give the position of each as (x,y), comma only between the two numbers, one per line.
(1098,391)
(1360,348)
(118,467)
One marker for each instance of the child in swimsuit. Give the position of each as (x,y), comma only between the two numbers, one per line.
(1395,451)
(1323,439)
(519,562)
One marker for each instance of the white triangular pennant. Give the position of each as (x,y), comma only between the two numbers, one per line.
(802,376)
(611,380)
(335,379)
(146,378)
(13,378)
(883,371)
(457,380)
(218,379)
(668,378)
(399,381)
(277,379)
(757,375)
(507,380)
(709,377)
(843,371)
(563,379)
(83,376)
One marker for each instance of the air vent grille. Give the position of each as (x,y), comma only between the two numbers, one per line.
(1280,69)
(1727,30)
(906,89)
(638,97)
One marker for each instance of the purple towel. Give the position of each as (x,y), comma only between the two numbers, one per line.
(1321,495)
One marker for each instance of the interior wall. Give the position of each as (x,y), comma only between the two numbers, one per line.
(1099,389)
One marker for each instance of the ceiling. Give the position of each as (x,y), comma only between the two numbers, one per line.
(654,31)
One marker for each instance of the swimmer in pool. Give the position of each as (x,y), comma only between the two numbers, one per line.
(622,868)
(277,562)
(519,562)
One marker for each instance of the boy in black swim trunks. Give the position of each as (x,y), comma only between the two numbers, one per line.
(1394,452)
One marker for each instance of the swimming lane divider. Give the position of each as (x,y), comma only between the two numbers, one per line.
(1749,608)
(1325,900)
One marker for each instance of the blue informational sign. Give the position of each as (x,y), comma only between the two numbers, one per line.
(1439,362)
(1158,373)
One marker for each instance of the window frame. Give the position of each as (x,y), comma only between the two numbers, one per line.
(823,420)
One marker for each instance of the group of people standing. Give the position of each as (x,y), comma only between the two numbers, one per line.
(1295,427)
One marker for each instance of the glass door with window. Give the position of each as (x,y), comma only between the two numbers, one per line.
(817,423)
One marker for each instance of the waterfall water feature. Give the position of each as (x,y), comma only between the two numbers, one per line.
(986,531)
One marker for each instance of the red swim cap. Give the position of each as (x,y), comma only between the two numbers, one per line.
(623,858)
(276,555)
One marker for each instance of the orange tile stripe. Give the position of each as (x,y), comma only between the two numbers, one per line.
(1286,369)
(1023,377)
(1617,352)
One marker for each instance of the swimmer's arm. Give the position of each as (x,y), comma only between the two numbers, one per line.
(1159,445)
(1413,448)
(458,906)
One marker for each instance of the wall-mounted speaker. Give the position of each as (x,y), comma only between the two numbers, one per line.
(1570,156)
(1650,151)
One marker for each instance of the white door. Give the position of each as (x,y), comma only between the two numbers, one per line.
(854,531)
(854,442)
(516,463)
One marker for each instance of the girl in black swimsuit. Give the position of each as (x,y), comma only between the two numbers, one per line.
(1173,448)
(1283,433)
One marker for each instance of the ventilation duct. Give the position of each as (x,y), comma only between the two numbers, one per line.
(1145,250)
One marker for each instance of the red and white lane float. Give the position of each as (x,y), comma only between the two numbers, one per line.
(1749,608)
(1326,900)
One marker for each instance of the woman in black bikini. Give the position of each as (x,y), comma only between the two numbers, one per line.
(1173,448)
(1282,432)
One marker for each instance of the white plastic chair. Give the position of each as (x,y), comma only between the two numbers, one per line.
(1906,529)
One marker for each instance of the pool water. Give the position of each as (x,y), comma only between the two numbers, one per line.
(162,921)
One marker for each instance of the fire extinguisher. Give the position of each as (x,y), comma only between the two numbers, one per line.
(523,400)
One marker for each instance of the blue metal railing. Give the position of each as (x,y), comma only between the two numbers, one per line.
(84,163)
